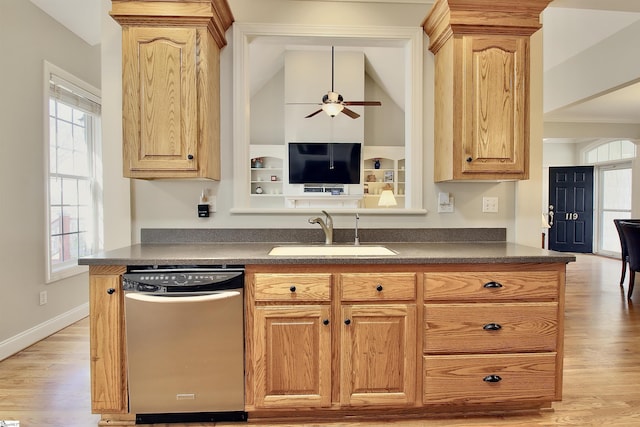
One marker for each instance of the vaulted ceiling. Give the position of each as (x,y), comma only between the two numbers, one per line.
(572,29)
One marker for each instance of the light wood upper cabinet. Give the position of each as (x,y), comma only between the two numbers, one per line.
(160,104)
(495,123)
(171,87)
(482,87)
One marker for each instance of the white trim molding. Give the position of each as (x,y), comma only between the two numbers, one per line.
(411,38)
(19,342)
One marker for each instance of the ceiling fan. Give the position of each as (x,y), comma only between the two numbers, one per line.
(333,103)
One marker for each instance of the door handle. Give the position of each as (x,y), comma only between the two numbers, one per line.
(550,215)
(181,298)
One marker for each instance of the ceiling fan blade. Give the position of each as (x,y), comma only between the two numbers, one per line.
(364,103)
(350,113)
(313,114)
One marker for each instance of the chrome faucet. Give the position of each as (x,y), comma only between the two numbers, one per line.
(327,227)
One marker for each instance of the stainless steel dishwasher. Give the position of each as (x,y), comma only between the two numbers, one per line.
(185,343)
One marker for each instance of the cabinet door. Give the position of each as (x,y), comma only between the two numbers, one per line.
(160,109)
(106,330)
(292,356)
(495,106)
(378,355)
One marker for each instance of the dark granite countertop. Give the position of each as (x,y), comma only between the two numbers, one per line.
(247,253)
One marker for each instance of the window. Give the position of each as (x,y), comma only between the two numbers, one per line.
(405,41)
(611,151)
(615,203)
(614,175)
(73,187)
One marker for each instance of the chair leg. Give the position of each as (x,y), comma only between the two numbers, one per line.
(624,271)
(632,279)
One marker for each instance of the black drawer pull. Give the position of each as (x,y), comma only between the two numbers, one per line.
(110,291)
(379,287)
(492,285)
(190,156)
(325,322)
(492,327)
(469,159)
(347,322)
(492,378)
(292,289)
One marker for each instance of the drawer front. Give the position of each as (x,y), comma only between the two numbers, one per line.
(378,286)
(465,379)
(292,287)
(479,328)
(491,286)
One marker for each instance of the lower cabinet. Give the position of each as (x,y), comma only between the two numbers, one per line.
(493,336)
(369,339)
(313,349)
(106,337)
(292,356)
(377,355)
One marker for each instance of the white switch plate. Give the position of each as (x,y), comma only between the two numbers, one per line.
(446,207)
(43,297)
(490,204)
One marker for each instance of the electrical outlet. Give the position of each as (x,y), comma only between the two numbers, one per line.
(43,297)
(490,204)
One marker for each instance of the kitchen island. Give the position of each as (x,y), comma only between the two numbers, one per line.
(436,328)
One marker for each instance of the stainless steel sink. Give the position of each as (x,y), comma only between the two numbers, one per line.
(331,250)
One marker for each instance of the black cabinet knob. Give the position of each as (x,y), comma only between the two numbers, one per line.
(379,287)
(469,159)
(492,285)
(111,291)
(492,327)
(325,322)
(347,322)
(492,378)
(292,288)
(190,156)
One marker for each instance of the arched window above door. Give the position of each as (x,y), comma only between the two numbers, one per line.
(610,151)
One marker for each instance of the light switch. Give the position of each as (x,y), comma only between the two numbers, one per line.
(445,203)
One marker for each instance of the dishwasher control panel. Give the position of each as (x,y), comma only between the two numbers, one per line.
(168,280)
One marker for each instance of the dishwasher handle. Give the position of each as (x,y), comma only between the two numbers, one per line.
(175,298)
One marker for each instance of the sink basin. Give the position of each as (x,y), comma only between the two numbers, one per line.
(330,250)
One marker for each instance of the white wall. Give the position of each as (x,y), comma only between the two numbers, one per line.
(29,37)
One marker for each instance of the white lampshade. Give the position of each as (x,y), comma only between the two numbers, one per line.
(332,109)
(387,199)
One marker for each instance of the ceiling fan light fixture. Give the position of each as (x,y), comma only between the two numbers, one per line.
(332,109)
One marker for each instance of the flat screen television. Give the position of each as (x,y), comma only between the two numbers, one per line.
(325,162)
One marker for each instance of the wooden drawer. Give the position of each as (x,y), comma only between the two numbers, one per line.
(292,287)
(479,328)
(465,379)
(488,285)
(378,286)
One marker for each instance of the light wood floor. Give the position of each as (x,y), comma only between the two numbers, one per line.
(48,383)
